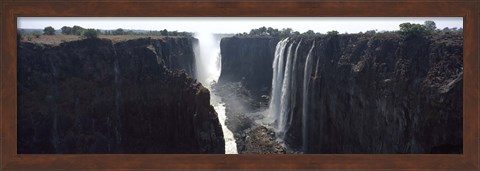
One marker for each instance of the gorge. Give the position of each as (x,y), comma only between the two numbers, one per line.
(101,96)
(207,52)
(352,93)
(330,93)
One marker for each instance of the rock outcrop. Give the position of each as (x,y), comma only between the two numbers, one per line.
(260,140)
(243,113)
(96,96)
(372,93)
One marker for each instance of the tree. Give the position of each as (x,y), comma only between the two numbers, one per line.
(371,32)
(262,30)
(49,30)
(129,32)
(253,32)
(118,31)
(430,25)
(77,30)
(174,33)
(66,30)
(164,32)
(409,29)
(286,32)
(90,33)
(309,32)
(333,32)
(272,32)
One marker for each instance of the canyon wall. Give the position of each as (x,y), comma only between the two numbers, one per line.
(248,60)
(97,96)
(371,93)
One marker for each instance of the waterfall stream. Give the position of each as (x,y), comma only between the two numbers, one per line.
(277,79)
(285,96)
(306,81)
(208,62)
(284,88)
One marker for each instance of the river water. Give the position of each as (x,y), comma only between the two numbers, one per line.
(230,145)
(208,64)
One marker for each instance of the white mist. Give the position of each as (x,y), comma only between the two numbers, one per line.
(207,58)
(208,65)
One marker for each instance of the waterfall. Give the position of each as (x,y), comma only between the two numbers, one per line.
(284,89)
(283,86)
(276,79)
(206,54)
(208,61)
(293,84)
(306,81)
(285,93)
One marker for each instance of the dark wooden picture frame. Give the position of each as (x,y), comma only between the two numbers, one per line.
(10,10)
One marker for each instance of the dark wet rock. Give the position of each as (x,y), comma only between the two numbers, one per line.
(369,93)
(239,97)
(383,94)
(94,96)
(248,60)
(243,114)
(259,140)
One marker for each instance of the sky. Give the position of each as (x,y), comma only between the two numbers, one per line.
(236,24)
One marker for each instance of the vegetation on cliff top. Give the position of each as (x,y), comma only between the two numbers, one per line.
(65,34)
(406,30)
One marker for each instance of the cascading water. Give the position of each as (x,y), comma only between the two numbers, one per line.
(207,53)
(283,84)
(306,81)
(208,60)
(277,79)
(284,88)
(285,96)
(293,84)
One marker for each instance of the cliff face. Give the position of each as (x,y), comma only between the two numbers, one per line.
(377,93)
(177,53)
(94,96)
(248,60)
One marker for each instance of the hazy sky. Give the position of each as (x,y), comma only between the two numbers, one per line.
(236,24)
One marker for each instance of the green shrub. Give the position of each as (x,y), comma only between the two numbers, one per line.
(66,30)
(371,32)
(77,30)
(430,25)
(309,32)
(409,29)
(90,33)
(49,30)
(118,31)
(333,32)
